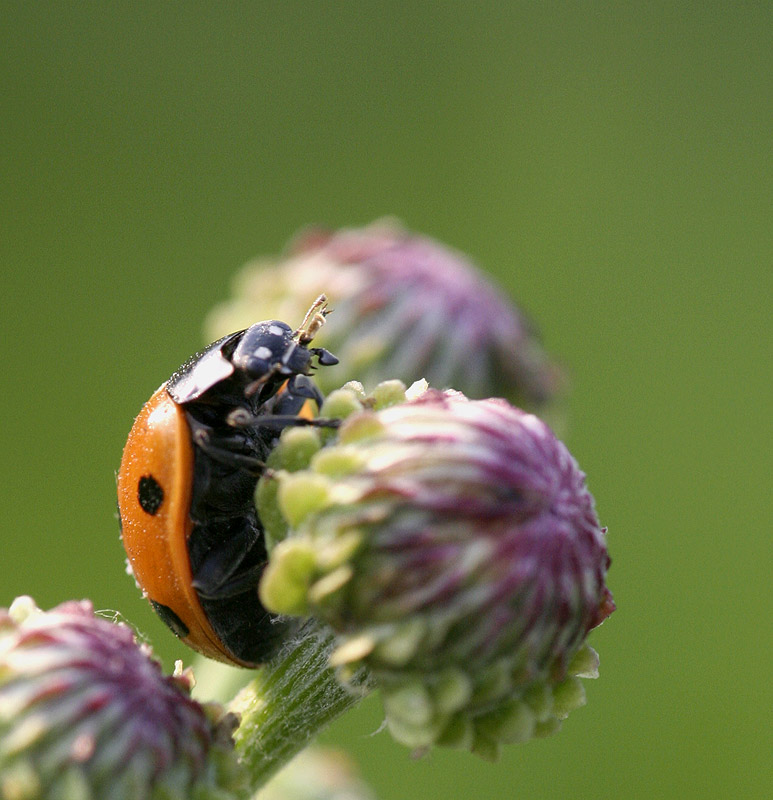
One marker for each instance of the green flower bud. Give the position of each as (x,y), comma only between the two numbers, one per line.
(405,306)
(85,713)
(454,548)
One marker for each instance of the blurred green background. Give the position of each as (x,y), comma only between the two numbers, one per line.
(609,163)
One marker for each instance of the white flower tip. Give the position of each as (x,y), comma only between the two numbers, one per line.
(22,608)
(416,389)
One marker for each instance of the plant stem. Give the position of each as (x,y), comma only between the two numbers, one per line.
(291,699)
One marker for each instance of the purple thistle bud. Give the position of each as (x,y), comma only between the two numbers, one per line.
(405,307)
(85,712)
(454,547)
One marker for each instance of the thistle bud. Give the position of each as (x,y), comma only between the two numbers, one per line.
(86,713)
(453,546)
(406,307)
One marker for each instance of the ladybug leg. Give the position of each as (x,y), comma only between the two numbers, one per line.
(233,559)
(227,450)
(283,409)
(240,418)
(299,390)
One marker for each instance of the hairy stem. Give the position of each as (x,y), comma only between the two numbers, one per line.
(291,699)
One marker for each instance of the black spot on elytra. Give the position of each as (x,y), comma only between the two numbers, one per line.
(150,494)
(172,621)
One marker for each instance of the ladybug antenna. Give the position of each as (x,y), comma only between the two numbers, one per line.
(253,387)
(313,321)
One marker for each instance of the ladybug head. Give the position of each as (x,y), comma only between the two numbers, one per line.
(267,354)
(272,349)
(268,348)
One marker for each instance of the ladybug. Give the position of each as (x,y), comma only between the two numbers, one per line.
(187,481)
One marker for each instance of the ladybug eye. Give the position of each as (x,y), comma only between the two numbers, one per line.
(150,494)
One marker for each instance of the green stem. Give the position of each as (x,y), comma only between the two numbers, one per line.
(291,699)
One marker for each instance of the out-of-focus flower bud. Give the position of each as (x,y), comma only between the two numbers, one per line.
(453,546)
(86,713)
(405,307)
(317,774)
